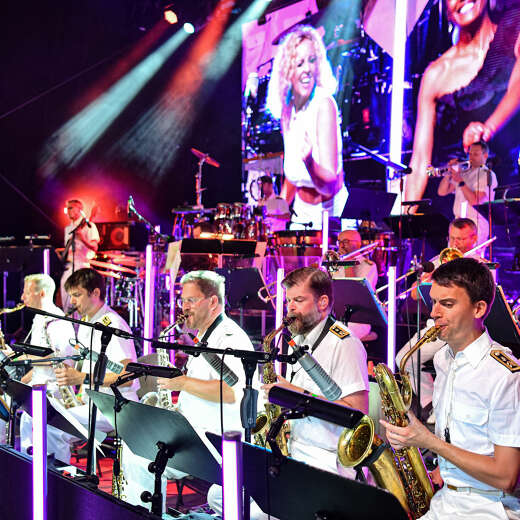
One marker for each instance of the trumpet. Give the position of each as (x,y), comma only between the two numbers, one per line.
(441,171)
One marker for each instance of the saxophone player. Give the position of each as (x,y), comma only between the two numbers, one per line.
(475,400)
(86,288)
(38,292)
(202,299)
(308,293)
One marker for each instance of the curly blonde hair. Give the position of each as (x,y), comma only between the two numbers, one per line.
(279,90)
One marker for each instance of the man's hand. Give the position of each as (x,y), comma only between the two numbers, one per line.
(67,376)
(280,382)
(176,384)
(415,434)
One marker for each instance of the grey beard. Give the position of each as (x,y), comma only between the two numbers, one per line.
(304,324)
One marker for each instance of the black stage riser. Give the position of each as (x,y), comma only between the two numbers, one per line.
(66,499)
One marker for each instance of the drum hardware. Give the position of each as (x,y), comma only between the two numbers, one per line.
(112,267)
(203,157)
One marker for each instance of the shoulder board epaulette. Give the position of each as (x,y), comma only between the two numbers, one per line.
(339,331)
(105,320)
(505,360)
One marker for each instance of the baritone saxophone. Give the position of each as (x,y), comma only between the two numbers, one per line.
(265,419)
(402,472)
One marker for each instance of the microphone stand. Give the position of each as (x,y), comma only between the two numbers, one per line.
(418,379)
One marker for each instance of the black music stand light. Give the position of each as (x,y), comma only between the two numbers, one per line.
(355,301)
(308,493)
(163,436)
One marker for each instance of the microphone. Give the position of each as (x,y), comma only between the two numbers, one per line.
(153,370)
(31,350)
(87,221)
(315,407)
(425,267)
(328,387)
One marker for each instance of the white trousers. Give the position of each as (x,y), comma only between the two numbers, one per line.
(451,504)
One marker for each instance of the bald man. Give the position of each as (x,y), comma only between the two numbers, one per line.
(348,242)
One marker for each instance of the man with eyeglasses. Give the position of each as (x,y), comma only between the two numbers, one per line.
(200,398)
(349,241)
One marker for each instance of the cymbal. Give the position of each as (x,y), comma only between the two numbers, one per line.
(109,274)
(124,260)
(205,157)
(112,267)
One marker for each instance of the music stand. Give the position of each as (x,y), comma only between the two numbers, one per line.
(308,493)
(500,322)
(163,436)
(365,204)
(355,301)
(21,396)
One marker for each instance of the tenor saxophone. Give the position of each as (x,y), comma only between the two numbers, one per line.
(265,419)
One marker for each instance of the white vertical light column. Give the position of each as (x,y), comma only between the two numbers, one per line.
(279,311)
(396,117)
(47,261)
(232,477)
(39,456)
(172,308)
(325,232)
(390,351)
(149,299)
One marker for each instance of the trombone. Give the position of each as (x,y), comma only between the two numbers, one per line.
(264,293)
(446,255)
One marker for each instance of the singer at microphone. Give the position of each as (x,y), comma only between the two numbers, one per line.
(334,368)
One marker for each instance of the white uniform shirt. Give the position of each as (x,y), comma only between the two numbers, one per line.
(345,361)
(205,414)
(365,269)
(83,254)
(59,332)
(117,350)
(476,180)
(477,398)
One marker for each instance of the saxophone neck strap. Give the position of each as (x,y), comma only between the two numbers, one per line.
(211,328)
(328,324)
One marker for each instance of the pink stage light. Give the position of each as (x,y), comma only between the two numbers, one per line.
(39,456)
(149,298)
(390,351)
(232,475)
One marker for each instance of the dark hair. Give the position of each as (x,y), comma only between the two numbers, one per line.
(471,275)
(266,178)
(209,283)
(483,146)
(87,279)
(460,223)
(319,282)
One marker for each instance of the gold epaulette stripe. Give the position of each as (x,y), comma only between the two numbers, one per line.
(339,331)
(505,360)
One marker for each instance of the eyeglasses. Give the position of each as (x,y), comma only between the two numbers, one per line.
(191,300)
(345,241)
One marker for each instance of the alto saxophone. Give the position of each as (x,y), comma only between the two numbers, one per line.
(67,393)
(265,419)
(118,478)
(163,398)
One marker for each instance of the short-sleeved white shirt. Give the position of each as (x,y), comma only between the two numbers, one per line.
(82,254)
(205,414)
(477,397)
(117,350)
(53,333)
(345,360)
(477,180)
